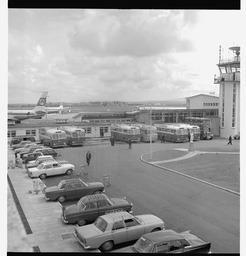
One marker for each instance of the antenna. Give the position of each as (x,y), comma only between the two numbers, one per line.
(219,54)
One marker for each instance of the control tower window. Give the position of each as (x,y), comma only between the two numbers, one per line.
(222,70)
(228,69)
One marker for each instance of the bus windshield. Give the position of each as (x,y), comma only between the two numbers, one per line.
(75,134)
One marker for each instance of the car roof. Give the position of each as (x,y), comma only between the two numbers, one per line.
(116,216)
(163,236)
(96,197)
(71,181)
(44,156)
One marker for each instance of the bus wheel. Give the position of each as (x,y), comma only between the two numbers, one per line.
(42,176)
(69,172)
(61,199)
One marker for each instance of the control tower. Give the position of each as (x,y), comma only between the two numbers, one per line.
(229,100)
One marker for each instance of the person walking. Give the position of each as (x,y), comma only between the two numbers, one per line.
(163,139)
(130,144)
(230,139)
(88,157)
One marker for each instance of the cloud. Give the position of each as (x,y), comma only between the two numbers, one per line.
(131,33)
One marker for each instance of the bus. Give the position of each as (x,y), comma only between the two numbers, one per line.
(125,132)
(205,125)
(172,132)
(52,137)
(147,132)
(75,135)
(194,129)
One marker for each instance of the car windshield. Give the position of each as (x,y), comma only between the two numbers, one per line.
(80,205)
(61,184)
(143,245)
(40,167)
(101,224)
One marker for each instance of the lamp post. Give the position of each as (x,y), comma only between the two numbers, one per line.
(150,133)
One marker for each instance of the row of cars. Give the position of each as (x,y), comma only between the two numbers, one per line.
(102,222)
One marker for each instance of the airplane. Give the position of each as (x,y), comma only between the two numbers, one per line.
(60,109)
(37,112)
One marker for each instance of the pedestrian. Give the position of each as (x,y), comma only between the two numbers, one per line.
(230,139)
(88,157)
(112,141)
(163,139)
(130,144)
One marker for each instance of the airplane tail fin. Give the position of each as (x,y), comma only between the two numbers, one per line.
(41,102)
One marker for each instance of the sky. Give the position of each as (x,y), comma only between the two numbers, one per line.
(116,55)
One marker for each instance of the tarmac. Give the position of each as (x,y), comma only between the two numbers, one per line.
(43,229)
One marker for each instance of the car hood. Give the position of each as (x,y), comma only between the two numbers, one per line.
(33,169)
(70,209)
(88,231)
(149,219)
(119,201)
(31,165)
(95,184)
(51,189)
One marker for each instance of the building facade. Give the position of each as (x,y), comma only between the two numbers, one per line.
(202,101)
(229,101)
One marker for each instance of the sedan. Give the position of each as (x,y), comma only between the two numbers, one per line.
(21,144)
(88,208)
(39,160)
(31,157)
(168,241)
(50,169)
(71,189)
(115,228)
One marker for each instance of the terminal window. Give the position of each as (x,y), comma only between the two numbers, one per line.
(11,133)
(31,132)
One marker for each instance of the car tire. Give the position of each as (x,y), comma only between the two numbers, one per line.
(107,246)
(81,222)
(155,229)
(42,176)
(61,199)
(69,172)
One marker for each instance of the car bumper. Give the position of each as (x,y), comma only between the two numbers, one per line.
(84,246)
(65,221)
(46,198)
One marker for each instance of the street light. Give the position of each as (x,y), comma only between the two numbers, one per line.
(150,133)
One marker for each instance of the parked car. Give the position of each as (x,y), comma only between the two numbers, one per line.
(237,136)
(116,228)
(88,208)
(30,150)
(31,157)
(24,148)
(50,169)
(71,189)
(18,139)
(168,241)
(21,144)
(47,151)
(39,160)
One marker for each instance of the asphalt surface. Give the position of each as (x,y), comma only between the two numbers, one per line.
(183,203)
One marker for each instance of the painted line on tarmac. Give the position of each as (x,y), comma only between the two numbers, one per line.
(187,176)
